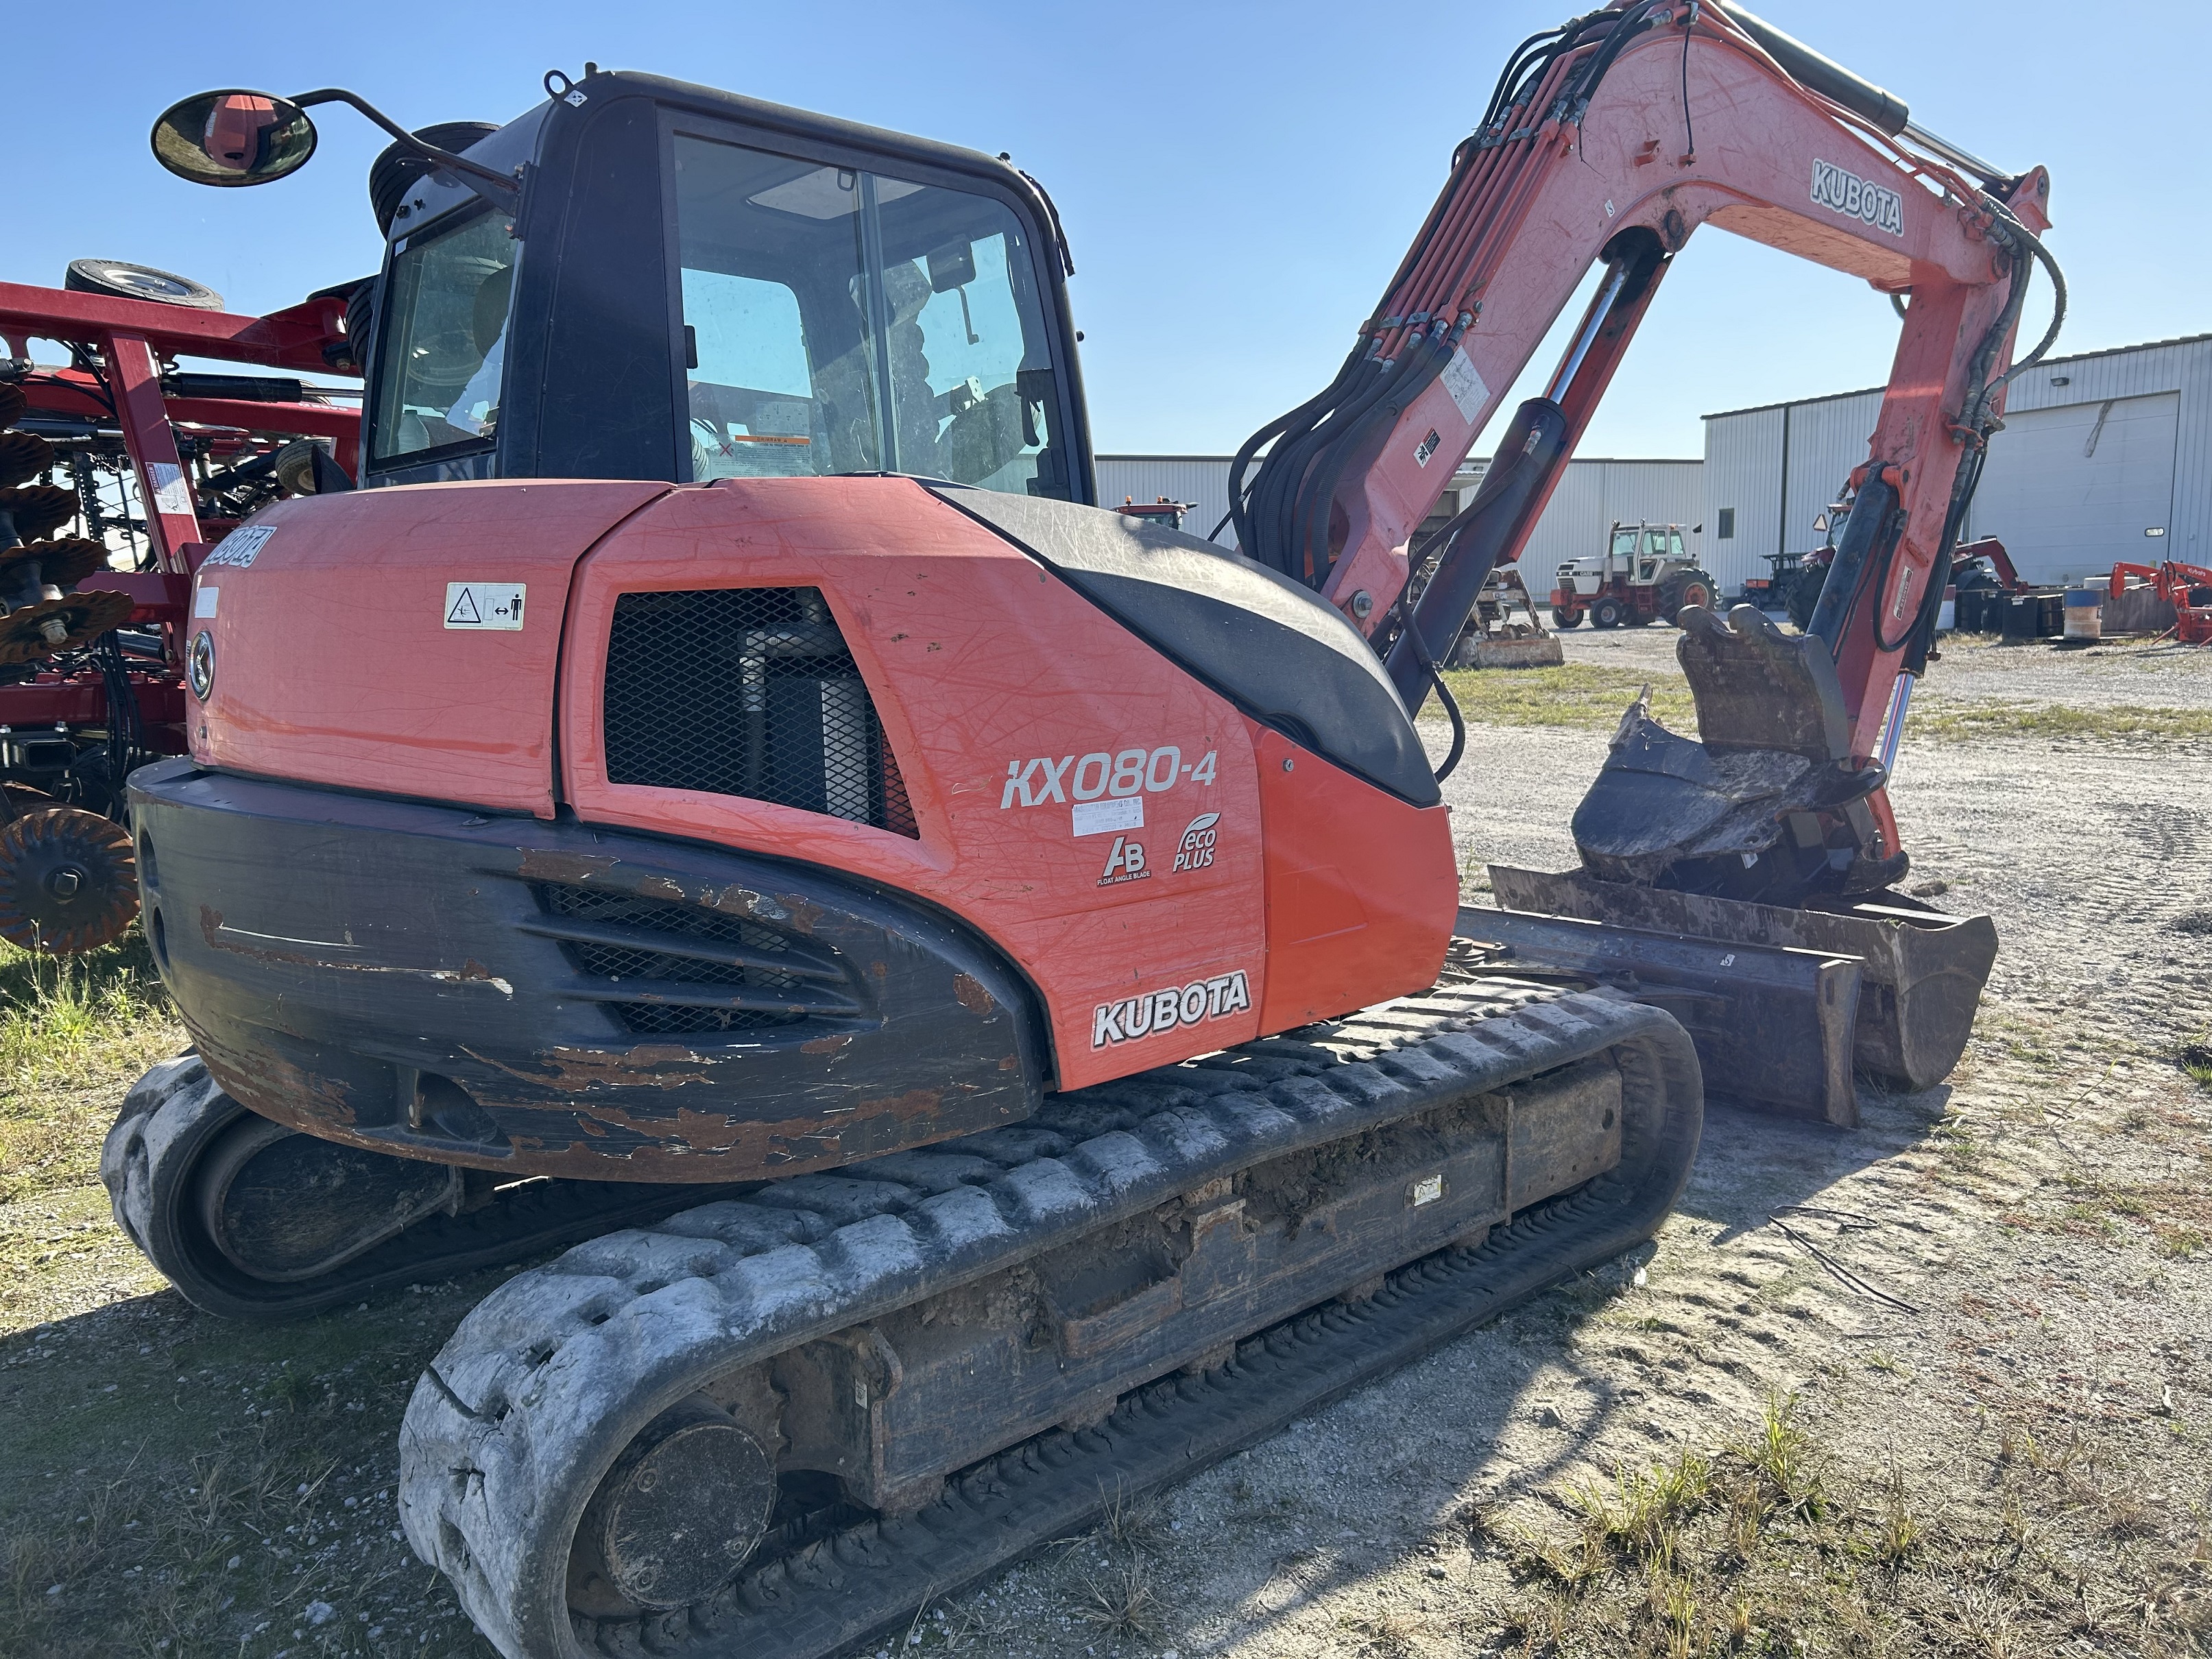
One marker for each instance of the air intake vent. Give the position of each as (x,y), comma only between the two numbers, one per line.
(667,967)
(747,692)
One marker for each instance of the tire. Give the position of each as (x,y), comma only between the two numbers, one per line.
(1607,612)
(1687,587)
(120,281)
(1565,619)
(394,170)
(1805,593)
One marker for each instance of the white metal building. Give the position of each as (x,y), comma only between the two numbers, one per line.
(1591,497)
(2105,457)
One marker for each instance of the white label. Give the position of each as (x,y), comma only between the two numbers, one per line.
(1427,1190)
(171,493)
(496,605)
(1858,198)
(203,601)
(239,548)
(1105,818)
(1466,387)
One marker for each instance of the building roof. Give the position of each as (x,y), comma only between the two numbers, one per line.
(2048,363)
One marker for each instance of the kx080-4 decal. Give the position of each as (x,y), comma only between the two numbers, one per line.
(1044,779)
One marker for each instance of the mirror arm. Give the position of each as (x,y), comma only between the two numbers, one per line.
(494,187)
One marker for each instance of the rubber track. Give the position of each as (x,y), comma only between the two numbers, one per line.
(171,1113)
(543,1383)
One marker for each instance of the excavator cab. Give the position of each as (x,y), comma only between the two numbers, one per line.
(643,279)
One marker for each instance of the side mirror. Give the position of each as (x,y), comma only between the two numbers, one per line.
(232,138)
(1821,525)
(951,266)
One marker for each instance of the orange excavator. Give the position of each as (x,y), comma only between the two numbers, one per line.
(982,975)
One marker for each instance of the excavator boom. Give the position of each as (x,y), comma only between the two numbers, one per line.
(1609,140)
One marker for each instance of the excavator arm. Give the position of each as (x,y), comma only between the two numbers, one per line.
(1609,140)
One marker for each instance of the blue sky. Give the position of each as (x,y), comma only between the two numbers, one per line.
(1238,181)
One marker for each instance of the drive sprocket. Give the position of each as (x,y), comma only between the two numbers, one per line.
(69,880)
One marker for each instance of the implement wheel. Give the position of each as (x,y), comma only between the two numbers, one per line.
(68,881)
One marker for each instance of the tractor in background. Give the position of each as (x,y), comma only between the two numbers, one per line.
(1645,575)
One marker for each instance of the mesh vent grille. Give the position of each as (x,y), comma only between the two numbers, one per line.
(747,692)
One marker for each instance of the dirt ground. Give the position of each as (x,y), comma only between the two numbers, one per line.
(1936,1386)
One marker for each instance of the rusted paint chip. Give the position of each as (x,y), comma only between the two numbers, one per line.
(970,991)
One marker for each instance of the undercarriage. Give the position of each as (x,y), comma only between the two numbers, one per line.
(780,1420)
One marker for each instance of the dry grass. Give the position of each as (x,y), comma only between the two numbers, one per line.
(1776,1547)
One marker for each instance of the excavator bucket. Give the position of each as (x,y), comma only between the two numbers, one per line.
(1755,839)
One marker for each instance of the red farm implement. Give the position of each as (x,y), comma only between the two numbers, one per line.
(118,472)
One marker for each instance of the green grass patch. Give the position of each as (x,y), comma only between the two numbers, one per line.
(1590,697)
(1580,694)
(74,1032)
(1958,722)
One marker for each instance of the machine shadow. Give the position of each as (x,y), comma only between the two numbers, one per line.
(1513,1407)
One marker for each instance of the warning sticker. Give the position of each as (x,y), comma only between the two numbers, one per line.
(1465,385)
(171,493)
(205,600)
(484,605)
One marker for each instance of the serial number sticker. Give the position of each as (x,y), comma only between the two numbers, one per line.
(1104,818)
(203,602)
(493,606)
(239,548)
(1427,1190)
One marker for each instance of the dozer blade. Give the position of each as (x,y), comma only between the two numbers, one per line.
(1922,971)
(1772,1024)
(780,1424)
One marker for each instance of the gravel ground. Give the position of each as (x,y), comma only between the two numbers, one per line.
(2025,1400)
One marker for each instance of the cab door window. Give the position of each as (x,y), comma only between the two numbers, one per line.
(442,359)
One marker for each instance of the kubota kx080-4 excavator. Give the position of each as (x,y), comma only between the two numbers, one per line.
(986,974)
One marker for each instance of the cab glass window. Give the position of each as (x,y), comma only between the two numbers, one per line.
(1624,543)
(443,354)
(839,320)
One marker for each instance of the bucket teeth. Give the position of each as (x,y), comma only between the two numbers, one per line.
(33,632)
